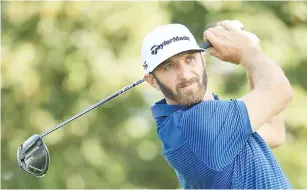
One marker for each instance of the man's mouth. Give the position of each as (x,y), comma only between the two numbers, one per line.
(188,83)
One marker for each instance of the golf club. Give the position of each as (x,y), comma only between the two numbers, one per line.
(33,155)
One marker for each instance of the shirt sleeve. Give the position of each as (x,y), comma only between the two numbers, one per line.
(216,131)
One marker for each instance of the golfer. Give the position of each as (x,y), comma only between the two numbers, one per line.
(213,143)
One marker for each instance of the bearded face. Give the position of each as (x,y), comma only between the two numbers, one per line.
(183,78)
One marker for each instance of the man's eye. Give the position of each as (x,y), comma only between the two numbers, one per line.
(190,58)
(169,66)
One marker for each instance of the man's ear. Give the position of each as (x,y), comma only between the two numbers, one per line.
(152,81)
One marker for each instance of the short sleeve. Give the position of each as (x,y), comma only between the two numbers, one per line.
(216,131)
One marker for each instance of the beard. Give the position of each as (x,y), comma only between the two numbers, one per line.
(189,97)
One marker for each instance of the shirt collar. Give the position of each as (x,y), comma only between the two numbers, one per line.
(162,109)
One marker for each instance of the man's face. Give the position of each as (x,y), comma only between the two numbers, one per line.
(183,78)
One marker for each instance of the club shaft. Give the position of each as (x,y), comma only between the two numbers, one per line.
(94,106)
(205,45)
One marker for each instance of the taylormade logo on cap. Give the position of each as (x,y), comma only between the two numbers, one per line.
(155,48)
(164,42)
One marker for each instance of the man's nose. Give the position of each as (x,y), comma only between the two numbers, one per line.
(184,71)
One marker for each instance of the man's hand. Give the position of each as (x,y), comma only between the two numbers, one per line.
(230,44)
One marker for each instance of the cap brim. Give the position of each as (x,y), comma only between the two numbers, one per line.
(179,50)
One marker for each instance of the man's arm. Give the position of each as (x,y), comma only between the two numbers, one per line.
(272,91)
(273,131)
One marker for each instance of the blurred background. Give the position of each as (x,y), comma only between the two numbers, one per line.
(58,58)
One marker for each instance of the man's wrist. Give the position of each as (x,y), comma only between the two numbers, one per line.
(249,55)
(253,59)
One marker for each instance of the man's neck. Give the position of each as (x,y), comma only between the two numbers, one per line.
(208,96)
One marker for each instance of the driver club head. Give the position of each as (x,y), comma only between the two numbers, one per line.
(33,156)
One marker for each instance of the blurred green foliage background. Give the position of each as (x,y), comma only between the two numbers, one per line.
(59,58)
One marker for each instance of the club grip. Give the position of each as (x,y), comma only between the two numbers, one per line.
(205,45)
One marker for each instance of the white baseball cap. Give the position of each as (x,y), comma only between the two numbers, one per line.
(164,42)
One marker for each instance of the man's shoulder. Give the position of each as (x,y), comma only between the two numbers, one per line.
(213,110)
(207,106)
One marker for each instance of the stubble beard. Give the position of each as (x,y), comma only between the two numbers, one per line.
(188,97)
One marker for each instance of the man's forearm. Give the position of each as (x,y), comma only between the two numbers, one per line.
(273,132)
(268,79)
(263,72)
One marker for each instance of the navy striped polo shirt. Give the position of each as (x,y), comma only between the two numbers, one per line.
(211,145)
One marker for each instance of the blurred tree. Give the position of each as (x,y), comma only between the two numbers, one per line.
(58,58)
